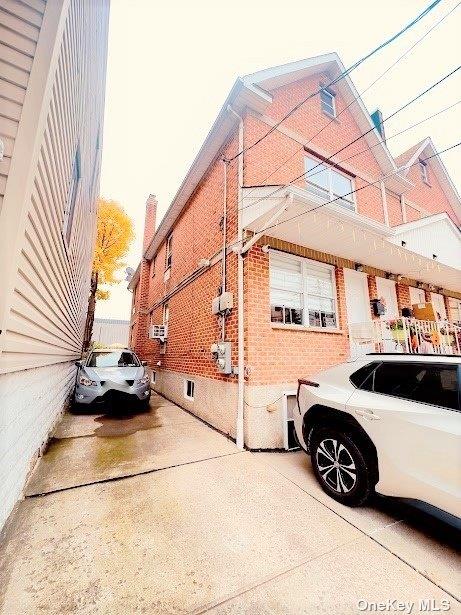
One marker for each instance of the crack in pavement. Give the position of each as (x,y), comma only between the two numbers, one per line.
(112,479)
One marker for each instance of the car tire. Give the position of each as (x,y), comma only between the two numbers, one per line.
(341,465)
(145,405)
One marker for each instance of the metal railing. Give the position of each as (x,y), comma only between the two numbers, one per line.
(407,335)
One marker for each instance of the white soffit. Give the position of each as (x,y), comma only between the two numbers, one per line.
(335,230)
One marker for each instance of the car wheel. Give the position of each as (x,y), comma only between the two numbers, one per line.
(145,405)
(341,466)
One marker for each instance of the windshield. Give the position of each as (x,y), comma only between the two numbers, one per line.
(115,358)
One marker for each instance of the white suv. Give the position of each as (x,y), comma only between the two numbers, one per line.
(389,423)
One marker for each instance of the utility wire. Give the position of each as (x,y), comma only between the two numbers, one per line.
(366,149)
(340,76)
(401,57)
(367,185)
(393,114)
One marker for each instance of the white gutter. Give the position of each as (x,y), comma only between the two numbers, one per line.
(239,428)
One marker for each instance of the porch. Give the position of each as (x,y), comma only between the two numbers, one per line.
(406,335)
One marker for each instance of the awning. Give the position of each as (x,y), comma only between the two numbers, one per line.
(336,230)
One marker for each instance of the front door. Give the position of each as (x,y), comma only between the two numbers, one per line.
(386,290)
(358,312)
(439,306)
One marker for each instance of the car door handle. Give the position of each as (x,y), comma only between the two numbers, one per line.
(368,414)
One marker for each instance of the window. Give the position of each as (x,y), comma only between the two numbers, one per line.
(328,184)
(421,382)
(153,377)
(327,102)
(455,309)
(423,169)
(169,251)
(302,292)
(359,377)
(189,389)
(72,196)
(115,358)
(166,314)
(152,266)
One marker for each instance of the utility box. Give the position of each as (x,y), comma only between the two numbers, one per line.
(226,301)
(223,303)
(215,306)
(221,354)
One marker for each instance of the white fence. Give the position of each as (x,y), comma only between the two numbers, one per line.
(406,335)
(109,331)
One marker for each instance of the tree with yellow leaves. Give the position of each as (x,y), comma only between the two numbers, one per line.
(113,238)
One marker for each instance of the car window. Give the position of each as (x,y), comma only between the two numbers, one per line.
(422,382)
(359,377)
(116,358)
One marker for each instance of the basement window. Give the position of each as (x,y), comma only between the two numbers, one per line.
(189,389)
(153,377)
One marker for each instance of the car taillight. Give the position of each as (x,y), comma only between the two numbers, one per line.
(309,383)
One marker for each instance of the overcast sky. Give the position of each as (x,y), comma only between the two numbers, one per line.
(172,64)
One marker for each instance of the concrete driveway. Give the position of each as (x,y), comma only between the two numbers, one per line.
(158,513)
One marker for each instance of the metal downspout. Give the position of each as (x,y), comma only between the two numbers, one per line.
(240,288)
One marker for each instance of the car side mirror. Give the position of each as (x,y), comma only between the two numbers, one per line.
(78,363)
(144,363)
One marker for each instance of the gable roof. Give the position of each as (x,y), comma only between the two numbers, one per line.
(404,157)
(426,149)
(253,91)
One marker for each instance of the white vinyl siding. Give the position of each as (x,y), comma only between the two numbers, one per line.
(302,292)
(328,184)
(19,31)
(48,291)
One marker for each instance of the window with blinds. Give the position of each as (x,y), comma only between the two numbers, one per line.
(302,292)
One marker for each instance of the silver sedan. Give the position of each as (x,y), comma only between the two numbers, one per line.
(112,376)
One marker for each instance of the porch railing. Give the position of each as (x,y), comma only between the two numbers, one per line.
(407,335)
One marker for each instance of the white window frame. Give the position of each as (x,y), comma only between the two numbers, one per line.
(186,382)
(306,266)
(332,105)
(169,252)
(424,173)
(331,196)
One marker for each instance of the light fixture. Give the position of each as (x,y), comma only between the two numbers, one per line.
(399,277)
(419,285)
(404,243)
(266,248)
(434,256)
(358,267)
(431,287)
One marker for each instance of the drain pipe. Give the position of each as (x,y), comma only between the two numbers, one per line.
(239,428)
(224,246)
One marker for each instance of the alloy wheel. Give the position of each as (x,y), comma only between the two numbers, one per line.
(336,465)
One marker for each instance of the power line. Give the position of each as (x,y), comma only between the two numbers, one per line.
(363,92)
(340,76)
(366,149)
(393,114)
(367,185)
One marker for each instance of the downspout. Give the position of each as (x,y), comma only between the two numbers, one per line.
(224,246)
(239,428)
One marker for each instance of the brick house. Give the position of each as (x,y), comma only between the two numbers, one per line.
(296,287)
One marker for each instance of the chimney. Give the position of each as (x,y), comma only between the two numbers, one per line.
(149,222)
